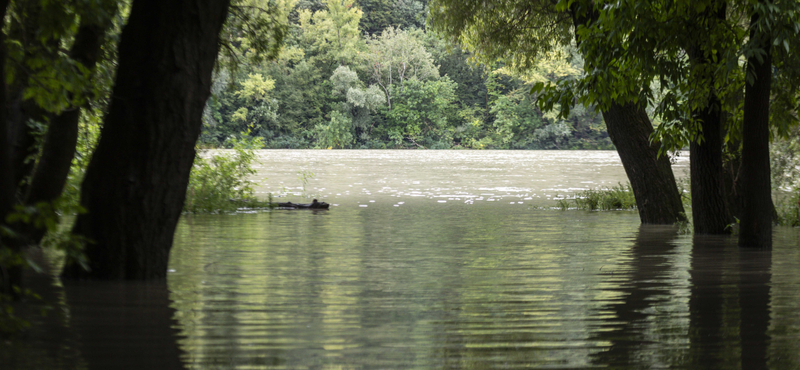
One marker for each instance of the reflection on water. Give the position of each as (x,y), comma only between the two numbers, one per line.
(480,288)
(481,285)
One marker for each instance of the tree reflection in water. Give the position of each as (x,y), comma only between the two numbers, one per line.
(633,332)
(728,307)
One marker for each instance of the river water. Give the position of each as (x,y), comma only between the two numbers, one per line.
(445,260)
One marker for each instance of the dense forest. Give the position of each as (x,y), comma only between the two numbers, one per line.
(368,74)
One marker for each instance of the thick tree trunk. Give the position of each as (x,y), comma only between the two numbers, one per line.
(756,223)
(651,177)
(710,213)
(136,182)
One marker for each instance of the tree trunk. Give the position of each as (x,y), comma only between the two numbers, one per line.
(709,209)
(136,182)
(651,177)
(710,214)
(58,150)
(756,223)
(629,127)
(7,185)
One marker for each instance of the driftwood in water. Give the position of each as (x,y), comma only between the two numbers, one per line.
(313,205)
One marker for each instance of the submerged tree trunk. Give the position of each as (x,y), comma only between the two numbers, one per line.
(710,213)
(651,177)
(136,182)
(756,223)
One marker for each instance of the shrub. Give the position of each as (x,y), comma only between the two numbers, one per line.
(788,208)
(219,183)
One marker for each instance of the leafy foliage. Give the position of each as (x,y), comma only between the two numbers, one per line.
(219,183)
(785,168)
(364,75)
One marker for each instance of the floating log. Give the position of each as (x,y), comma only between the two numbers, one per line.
(313,205)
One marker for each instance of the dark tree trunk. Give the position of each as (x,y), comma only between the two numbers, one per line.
(629,127)
(709,208)
(731,173)
(651,177)
(58,150)
(710,214)
(7,185)
(756,223)
(136,182)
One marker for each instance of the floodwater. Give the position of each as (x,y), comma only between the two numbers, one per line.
(439,260)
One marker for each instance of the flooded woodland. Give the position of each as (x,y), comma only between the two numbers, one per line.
(435,259)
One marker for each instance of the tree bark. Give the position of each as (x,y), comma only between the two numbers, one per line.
(651,177)
(755,229)
(135,184)
(710,213)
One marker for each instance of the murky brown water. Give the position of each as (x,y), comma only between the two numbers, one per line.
(440,260)
(358,176)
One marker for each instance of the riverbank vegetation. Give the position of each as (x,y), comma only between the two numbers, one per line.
(368,74)
(220,182)
(618,197)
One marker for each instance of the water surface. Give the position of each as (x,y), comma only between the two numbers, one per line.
(446,260)
(524,177)
(436,260)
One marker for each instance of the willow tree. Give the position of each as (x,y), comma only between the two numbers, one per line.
(520,32)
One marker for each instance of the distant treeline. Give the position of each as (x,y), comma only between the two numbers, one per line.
(366,74)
